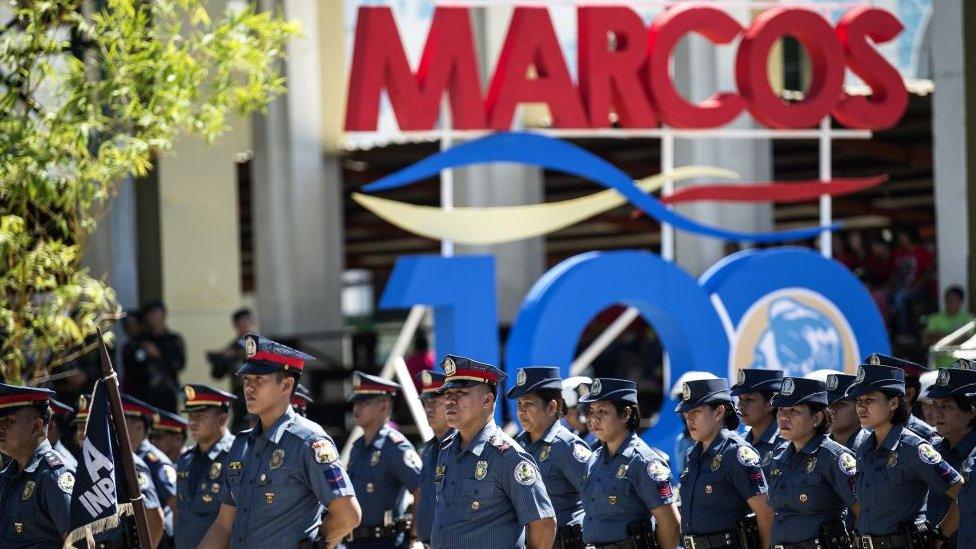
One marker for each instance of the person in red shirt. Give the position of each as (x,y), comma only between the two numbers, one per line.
(422,358)
(912,279)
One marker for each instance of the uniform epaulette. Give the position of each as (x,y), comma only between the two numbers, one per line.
(53,458)
(500,443)
(395,436)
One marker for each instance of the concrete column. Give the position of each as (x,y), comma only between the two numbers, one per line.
(298,198)
(700,70)
(110,252)
(954,101)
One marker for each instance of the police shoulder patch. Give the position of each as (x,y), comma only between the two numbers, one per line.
(928,454)
(325,451)
(747,456)
(658,471)
(66,482)
(581,452)
(167,474)
(412,460)
(847,463)
(525,473)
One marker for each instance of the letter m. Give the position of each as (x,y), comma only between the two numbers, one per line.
(448,64)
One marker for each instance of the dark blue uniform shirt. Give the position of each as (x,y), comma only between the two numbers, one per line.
(562,458)
(716,484)
(424,509)
(281,481)
(199,476)
(34,502)
(486,493)
(810,488)
(622,489)
(894,479)
(855,439)
(938,504)
(163,475)
(966,535)
(382,471)
(766,442)
(922,429)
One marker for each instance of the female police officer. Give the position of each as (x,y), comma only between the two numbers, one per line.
(561,455)
(810,478)
(722,479)
(625,480)
(896,467)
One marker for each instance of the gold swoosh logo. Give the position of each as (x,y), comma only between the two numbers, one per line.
(510,223)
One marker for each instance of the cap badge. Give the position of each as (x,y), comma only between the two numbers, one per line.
(250,346)
(449,367)
(943,377)
(82,403)
(860,374)
(832,382)
(874,359)
(189,392)
(788,386)
(685,392)
(520,377)
(582,389)
(596,387)
(740,377)
(425,378)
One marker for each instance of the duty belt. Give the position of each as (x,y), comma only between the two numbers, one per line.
(721,539)
(808,544)
(370,532)
(887,541)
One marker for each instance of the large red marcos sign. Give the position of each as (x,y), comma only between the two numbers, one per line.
(628,74)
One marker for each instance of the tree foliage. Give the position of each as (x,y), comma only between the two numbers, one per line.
(88,97)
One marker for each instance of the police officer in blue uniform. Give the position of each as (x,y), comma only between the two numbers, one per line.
(285,472)
(124,535)
(966,534)
(722,483)
(561,455)
(575,388)
(755,388)
(811,477)
(200,470)
(626,483)
(169,433)
(35,484)
(489,490)
(301,400)
(138,419)
(60,416)
(912,387)
(430,385)
(897,469)
(845,427)
(383,466)
(954,416)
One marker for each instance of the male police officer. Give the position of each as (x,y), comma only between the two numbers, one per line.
(60,413)
(169,433)
(282,474)
(755,387)
(200,470)
(383,465)
(430,383)
(35,486)
(138,419)
(300,400)
(489,490)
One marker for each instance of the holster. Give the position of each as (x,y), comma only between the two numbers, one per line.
(641,535)
(834,535)
(919,534)
(569,536)
(748,529)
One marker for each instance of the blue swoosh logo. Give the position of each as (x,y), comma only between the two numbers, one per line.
(545,152)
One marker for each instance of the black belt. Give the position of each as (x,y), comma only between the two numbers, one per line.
(887,541)
(808,544)
(370,532)
(729,538)
(625,544)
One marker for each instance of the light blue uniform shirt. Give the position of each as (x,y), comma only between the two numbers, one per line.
(34,502)
(810,488)
(281,481)
(424,509)
(163,475)
(894,478)
(486,493)
(562,458)
(382,472)
(622,489)
(199,477)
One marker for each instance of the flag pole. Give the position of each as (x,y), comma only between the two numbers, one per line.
(122,433)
